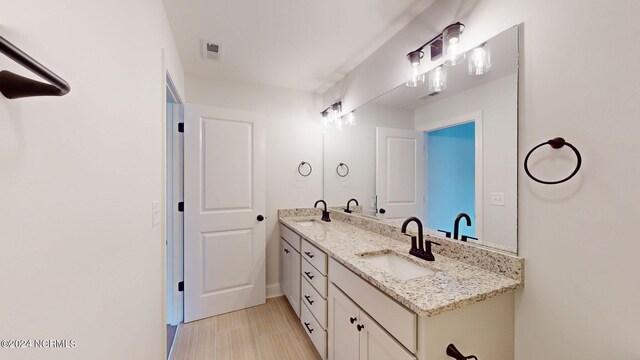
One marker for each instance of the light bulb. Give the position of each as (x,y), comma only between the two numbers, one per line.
(339,123)
(350,119)
(438,79)
(479,60)
(415,77)
(451,41)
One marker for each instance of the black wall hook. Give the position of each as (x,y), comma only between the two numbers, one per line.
(14,86)
(555,143)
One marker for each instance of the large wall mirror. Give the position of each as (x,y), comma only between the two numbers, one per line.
(437,154)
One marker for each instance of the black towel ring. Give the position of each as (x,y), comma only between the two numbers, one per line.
(338,170)
(556,143)
(300,169)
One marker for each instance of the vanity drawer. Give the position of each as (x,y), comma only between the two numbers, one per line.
(316,303)
(400,322)
(291,237)
(315,278)
(314,330)
(314,256)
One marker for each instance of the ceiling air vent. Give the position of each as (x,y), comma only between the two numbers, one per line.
(210,50)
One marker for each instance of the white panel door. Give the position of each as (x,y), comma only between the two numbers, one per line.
(399,172)
(224,192)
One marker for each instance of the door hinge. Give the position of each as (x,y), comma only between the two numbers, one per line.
(181,127)
(181,286)
(181,206)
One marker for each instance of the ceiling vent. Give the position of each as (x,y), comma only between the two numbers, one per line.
(427,96)
(210,50)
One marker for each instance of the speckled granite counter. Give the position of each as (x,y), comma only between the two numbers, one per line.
(454,284)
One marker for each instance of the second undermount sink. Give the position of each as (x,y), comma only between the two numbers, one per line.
(397,266)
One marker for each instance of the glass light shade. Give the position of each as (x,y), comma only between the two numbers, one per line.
(350,119)
(415,76)
(453,53)
(479,60)
(438,79)
(339,123)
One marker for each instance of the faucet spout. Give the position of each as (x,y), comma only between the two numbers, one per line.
(422,252)
(325,212)
(348,210)
(456,224)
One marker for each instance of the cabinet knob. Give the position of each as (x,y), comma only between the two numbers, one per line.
(352,319)
(286,250)
(360,327)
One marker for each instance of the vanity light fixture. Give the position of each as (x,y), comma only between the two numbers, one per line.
(331,115)
(438,79)
(480,60)
(448,40)
(451,42)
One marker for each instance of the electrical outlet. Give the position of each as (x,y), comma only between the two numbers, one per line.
(155,213)
(497,199)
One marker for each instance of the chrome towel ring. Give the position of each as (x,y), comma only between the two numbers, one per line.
(344,173)
(555,143)
(302,164)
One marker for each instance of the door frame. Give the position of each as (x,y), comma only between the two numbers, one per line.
(174,222)
(475,117)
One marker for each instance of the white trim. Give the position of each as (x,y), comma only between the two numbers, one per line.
(273,290)
(476,117)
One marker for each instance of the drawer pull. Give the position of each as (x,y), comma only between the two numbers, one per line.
(308,328)
(310,255)
(309,299)
(352,319)
(360,327)
(286,250)
(308,273)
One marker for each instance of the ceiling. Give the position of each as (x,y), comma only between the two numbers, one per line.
(298,44)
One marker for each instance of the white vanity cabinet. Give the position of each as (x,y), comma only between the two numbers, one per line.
(290,267)
(355,335)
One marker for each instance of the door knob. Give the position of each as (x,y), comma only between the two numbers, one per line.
(382,211)
(260,218)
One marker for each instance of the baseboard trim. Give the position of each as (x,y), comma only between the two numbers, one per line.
(273,290)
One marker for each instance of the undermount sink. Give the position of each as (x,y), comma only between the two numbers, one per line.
(397,266)
(307,222)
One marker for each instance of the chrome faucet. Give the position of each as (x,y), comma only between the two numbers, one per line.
(417,248)
(325,212)
(456,224)
(347,210)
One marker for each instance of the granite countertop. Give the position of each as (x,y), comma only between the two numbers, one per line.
(454,284)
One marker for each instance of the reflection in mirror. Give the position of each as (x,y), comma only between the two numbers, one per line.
(445,152)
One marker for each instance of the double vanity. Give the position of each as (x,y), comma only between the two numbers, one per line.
(361,295)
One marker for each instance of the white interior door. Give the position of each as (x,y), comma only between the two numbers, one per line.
(224,192)
(399,172)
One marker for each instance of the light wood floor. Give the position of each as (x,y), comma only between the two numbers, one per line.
(265,332)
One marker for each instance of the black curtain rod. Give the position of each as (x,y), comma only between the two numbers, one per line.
(14,86)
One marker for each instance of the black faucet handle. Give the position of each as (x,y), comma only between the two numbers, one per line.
(466,237)
(432,242)
(446,233)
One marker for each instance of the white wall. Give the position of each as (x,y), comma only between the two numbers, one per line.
(579,239)
(80,259)
(497,101)
(356,147)
(294,134)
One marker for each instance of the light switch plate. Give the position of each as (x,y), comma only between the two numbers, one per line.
(155,213)
(497,199)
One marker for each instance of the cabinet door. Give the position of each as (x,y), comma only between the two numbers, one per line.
(285,267)
(343,319)
(376,344)
(294,281)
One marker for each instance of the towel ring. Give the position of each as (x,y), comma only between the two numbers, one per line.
(300,169)
(344,174)
(555,143)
